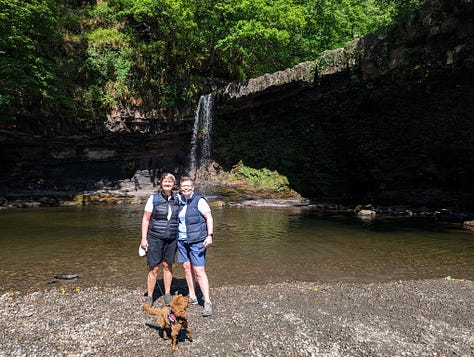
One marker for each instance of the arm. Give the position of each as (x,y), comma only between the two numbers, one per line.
(210,229)
(145,224)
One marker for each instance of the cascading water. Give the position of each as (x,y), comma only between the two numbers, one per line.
(200,155)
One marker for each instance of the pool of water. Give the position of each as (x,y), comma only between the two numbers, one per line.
(251,246)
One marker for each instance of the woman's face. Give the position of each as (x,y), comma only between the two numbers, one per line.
(186,188)
(167,185)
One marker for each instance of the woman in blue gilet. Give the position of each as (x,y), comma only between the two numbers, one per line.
(195,231)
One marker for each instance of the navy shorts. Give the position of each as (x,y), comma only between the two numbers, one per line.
(192,252)
(160,250)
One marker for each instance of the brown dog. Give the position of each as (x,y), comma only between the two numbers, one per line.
(173,317)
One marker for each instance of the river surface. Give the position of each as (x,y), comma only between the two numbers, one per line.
(251,246)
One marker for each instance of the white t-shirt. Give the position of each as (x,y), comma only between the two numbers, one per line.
(149,206)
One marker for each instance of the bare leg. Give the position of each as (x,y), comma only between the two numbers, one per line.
(151,279)
(201,277)
(167,276)
(189,275)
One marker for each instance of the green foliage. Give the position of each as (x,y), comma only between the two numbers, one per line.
(109,63)
(30,78)
(398,9)
(76,61)
(263,179)
(335,22)
(258,36)
(107,37)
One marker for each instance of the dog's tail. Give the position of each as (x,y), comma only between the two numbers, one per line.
(151,310)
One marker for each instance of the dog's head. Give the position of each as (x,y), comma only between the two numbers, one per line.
(178,305)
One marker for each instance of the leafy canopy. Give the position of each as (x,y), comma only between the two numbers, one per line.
(77,61)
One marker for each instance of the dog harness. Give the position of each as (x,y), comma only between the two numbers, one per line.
(171,317)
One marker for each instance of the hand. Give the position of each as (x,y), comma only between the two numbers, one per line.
(144,243)
(207,242)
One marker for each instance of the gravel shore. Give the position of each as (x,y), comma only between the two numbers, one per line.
(405,318)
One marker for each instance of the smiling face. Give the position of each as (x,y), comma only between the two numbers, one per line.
(167,183)
(186,188)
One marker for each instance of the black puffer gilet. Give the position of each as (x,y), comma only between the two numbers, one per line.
(160,227)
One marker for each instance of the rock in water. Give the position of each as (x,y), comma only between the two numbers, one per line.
(66,276)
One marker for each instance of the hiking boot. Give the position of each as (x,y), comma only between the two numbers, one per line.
(149,301)
(193,301)
(207,309)
(168,299)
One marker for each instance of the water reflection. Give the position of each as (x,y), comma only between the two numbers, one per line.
(252,246)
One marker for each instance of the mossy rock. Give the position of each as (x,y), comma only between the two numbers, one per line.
(102,198)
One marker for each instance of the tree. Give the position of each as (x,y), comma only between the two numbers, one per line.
(241,39)
(31,80)
(160,35)
(76,60)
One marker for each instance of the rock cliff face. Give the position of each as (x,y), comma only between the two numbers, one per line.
(388,118)
(69,165)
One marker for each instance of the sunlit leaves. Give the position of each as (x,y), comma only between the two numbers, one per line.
(161,52)
(28,73)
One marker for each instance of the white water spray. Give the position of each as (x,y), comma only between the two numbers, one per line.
(200,155)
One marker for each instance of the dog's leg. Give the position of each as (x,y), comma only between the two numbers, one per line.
(163,323)
(188,330)
(174,334)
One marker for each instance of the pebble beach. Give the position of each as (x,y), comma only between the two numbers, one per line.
(402,318)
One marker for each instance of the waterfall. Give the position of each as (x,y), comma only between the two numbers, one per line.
(200,155)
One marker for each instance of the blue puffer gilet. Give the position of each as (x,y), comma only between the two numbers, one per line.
(196,229)
(160,227)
